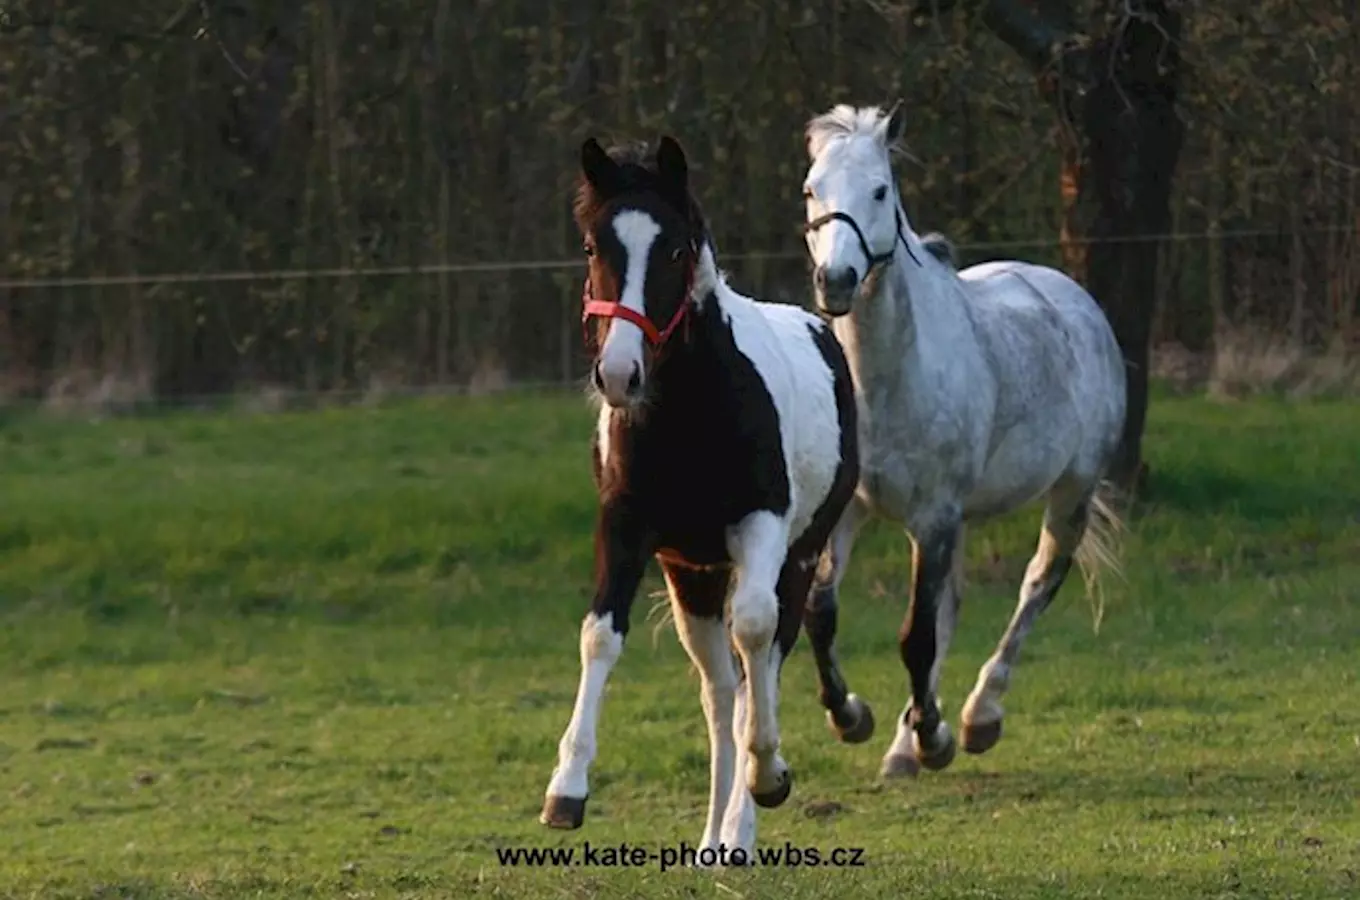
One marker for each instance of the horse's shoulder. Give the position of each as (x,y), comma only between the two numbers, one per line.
(787,346)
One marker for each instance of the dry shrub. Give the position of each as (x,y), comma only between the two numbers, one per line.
(264,399)
(87,392)
(1181,368)
(1250,361)
(489,377)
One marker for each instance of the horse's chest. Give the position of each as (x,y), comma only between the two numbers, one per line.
(896,480)
(691,490)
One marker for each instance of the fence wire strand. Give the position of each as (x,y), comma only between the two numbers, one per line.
(544,265)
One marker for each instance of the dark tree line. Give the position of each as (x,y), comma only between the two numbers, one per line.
(226,136)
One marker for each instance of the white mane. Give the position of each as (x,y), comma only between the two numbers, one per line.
(708,278)
(844,121)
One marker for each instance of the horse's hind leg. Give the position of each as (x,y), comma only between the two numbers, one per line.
(1065,519)
(849,716)
(697,599)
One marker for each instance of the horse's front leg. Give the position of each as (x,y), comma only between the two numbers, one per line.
(923,737)
(759,544)
(621,550)
(697,599)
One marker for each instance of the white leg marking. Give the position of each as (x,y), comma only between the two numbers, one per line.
(758,546)
(739,820)
(901,756)
(904,753)
(600,649)
(621,354)
(707,643)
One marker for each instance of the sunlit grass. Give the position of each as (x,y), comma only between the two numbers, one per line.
(331,653)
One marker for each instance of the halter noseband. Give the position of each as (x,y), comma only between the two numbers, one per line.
(613,309)
(874,259)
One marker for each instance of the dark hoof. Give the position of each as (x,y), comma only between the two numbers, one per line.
(939,758)
(856,722)
(776,797)
(981,738)
(563,812)
(898,765)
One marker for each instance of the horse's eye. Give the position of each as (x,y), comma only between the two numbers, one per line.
(589,249)
(881,193)
(807,193)
(675,254)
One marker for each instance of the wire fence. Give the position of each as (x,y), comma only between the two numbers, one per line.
(547,265)
(278,339)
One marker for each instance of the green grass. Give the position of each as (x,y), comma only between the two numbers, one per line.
(331,653)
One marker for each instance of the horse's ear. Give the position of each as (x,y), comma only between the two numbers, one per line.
(896,124)
(599,170)
(672,167)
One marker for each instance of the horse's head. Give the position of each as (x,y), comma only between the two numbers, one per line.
(642,236)
(853,216)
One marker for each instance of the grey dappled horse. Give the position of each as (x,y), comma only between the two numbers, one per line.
(979,391)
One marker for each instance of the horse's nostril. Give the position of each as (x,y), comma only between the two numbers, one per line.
(635,380)
(846,278)
(596,378)
(819,277)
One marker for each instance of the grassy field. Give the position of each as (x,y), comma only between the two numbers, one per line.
(330,653)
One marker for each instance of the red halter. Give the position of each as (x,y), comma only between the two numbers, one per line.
(613,309)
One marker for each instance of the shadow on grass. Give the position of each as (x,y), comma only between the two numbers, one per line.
(1203,490)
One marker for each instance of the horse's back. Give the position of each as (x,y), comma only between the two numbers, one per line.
(1022,309)
(1041,290)
(1058,367)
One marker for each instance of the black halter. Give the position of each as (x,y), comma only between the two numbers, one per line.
(874,259)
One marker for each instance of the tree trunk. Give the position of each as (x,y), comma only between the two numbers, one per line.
(1127,142)
(1115,93)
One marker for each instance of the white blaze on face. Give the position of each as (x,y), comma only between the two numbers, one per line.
(621,355)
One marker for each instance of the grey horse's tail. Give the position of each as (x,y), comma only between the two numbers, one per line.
(1099,550)
(941,247)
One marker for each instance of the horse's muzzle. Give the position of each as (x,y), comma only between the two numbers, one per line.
(620,389)
(835,289)
(831,308)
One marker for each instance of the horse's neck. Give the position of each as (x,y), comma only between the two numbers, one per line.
(898,338)
(690,383)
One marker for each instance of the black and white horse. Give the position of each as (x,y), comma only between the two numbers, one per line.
(726,449)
